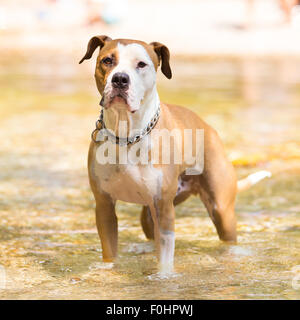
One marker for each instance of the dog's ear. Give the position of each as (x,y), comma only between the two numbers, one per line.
(163,55)
(97,41)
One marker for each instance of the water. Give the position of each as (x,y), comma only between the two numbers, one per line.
(48,241)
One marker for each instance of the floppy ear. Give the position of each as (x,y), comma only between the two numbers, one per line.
(97,41)
(163,55)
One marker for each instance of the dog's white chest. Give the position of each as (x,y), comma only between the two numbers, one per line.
(128,182)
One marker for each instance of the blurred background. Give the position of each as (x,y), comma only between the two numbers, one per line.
(236,63)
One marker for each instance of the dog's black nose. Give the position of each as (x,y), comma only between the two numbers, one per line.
(120,80)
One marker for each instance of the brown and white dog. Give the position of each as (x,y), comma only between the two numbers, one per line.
(126,79)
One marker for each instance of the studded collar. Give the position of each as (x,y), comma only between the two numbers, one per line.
(100,125)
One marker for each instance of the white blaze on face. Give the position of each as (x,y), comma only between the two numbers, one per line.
(141,80)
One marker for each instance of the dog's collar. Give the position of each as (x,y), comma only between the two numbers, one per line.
(100,125)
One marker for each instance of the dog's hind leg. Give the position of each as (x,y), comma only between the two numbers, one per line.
(218,187)
(218,196)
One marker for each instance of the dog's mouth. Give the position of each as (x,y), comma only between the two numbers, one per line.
(119,99)
(116,99)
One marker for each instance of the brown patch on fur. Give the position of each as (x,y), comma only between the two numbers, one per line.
(102,71)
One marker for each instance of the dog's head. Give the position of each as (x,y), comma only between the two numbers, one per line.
(126,70)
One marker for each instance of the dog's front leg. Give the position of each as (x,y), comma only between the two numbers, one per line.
(107,225)
(163,215)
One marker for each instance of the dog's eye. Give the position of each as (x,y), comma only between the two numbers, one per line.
(141,64)
(107,61)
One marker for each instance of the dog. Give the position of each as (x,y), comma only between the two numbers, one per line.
(125,76)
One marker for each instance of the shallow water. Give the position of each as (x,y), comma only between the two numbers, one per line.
(48,241)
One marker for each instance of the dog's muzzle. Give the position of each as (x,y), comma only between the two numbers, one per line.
(118,90)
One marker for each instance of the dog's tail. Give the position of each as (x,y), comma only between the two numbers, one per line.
(252,179)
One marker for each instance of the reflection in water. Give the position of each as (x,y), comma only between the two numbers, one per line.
(268,81)
(48,241)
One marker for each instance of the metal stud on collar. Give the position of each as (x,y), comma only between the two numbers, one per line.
(124,141)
